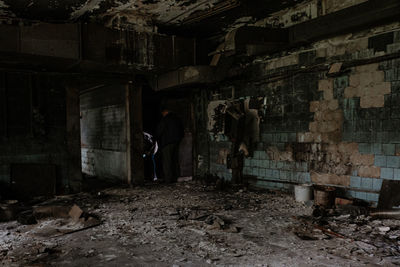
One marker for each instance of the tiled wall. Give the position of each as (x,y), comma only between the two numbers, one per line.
(218,151)
(341,130)
(103,133)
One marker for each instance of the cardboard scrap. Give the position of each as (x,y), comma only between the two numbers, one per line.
(75,213)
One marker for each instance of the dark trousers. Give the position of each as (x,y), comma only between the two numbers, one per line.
(170,162)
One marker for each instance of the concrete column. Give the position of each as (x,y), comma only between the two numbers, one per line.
(74,163)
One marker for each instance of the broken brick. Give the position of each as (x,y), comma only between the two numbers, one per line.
(365,160)
(330,179)
(369,171)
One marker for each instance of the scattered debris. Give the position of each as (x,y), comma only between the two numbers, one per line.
(384,229)
(75,213)
(389,195)
(335,68)
(51,211)
(8,212)
(215,222)
(388,214)
(26,218)
(342,201)
(358,225)
(324,196)
(192,224)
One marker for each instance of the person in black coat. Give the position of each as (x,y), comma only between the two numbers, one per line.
(169,134)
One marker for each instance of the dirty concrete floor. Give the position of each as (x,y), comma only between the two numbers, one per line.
(177,225)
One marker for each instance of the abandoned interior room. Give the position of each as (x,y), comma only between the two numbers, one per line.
(199,132)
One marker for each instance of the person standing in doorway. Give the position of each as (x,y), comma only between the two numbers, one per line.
(170,132)
(149,153)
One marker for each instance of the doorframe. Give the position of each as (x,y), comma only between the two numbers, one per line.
(134,127)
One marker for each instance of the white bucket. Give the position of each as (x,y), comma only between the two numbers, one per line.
(303,192)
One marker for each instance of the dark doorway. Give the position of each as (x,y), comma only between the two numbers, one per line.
(151,116)
(180,103)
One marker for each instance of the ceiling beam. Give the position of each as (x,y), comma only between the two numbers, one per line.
(362,16)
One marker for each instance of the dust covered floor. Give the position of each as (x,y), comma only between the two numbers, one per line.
(191,225)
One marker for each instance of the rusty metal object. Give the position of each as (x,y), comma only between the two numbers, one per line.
(329,232)
(324,196)
(323,229)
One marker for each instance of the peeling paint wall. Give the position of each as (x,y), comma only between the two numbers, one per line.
(338,129)
(291,16)
(168,11)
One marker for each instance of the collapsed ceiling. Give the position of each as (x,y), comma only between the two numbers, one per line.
(142,14)
(149,11)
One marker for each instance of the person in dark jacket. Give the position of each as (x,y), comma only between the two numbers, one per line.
(170,132)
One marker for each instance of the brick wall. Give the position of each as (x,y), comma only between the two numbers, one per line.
(340,129)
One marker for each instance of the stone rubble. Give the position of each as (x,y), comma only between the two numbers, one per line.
(196,225)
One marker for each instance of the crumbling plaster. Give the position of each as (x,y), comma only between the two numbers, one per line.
(336,148)
(140,14)
(303,11)
(329,48)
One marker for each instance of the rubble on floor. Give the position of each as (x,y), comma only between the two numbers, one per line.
(193,224)
(367,235)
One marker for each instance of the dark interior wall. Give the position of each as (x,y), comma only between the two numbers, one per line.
(181,104)
(151,110)
(33,127)
(340,129)
(103,132)
(202,145)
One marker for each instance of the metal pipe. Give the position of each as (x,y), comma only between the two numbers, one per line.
(386,214)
